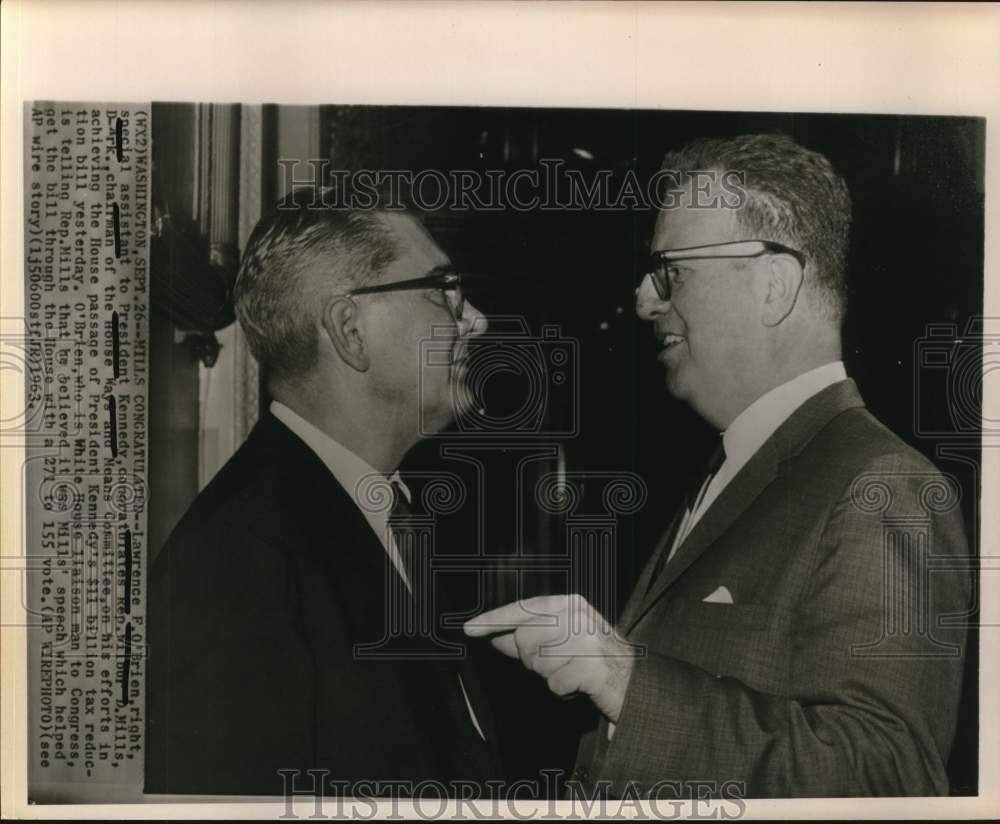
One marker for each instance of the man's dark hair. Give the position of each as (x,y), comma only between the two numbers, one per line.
(792,195)
(300,253)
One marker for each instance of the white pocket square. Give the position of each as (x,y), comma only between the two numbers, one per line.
(720,596)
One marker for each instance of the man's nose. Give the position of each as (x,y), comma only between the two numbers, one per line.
(648,303)
(473,321)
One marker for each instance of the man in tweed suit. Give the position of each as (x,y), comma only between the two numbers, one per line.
(788,636)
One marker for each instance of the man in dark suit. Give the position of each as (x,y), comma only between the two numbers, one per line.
(790,634)
(285,608)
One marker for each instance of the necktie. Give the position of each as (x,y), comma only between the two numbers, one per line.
(696,491)
(693,494)
(405,537)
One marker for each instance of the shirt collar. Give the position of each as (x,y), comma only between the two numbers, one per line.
(760,420)
(352,472)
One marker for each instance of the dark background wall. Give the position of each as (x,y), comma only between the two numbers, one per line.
(916,259)
(915,268)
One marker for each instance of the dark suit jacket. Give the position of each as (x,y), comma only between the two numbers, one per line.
(831,673)
(256,604)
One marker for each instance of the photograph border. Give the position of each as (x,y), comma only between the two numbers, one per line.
(861,58)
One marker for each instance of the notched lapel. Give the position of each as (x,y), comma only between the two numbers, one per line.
(324,524)
(642,585)
(758,473)
(743,490)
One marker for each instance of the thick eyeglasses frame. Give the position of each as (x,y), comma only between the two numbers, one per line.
(659,264)
(447,280)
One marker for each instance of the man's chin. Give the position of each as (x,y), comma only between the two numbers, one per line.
(677,387)
(459,404)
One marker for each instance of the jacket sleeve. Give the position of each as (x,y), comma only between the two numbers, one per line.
(230,680)
(875,666)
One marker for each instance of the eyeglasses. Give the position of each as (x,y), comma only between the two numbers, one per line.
(447,280)
(662,272)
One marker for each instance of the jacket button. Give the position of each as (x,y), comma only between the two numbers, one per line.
(581,774)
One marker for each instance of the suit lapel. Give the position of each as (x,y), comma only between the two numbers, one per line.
(741,491)
(328,525)
(641,589)
(325,518)
(755,476)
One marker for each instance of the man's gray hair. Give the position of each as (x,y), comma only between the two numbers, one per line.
(793,196)
(298,255)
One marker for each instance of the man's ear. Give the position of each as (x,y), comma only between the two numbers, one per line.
(783,286)
(341,323)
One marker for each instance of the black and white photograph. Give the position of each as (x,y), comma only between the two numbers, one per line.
(533,384)
(486,456)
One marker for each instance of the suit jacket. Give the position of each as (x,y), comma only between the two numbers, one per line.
(256,604)
(834,672)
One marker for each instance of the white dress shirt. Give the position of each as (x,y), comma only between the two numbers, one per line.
(356,475)
(754,425)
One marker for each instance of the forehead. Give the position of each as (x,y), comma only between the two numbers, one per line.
(695,222)
(418,253)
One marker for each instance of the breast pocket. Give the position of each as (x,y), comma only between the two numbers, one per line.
(750,642)
(734,616)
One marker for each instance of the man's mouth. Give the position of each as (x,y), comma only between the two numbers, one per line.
(671,339)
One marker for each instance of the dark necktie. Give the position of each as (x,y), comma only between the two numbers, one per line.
(692,493)
(403,533)
(712,466)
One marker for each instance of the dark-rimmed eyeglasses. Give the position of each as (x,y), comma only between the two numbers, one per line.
(447,280)
(662,270)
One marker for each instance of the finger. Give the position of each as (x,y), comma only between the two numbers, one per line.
(531,611)
(556,651)
(564,681)
(584,619)
(505,643)
(546,662)
(530,640)
(550,647)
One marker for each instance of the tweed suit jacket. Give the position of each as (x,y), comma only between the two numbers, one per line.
(256,605)
(833,671)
